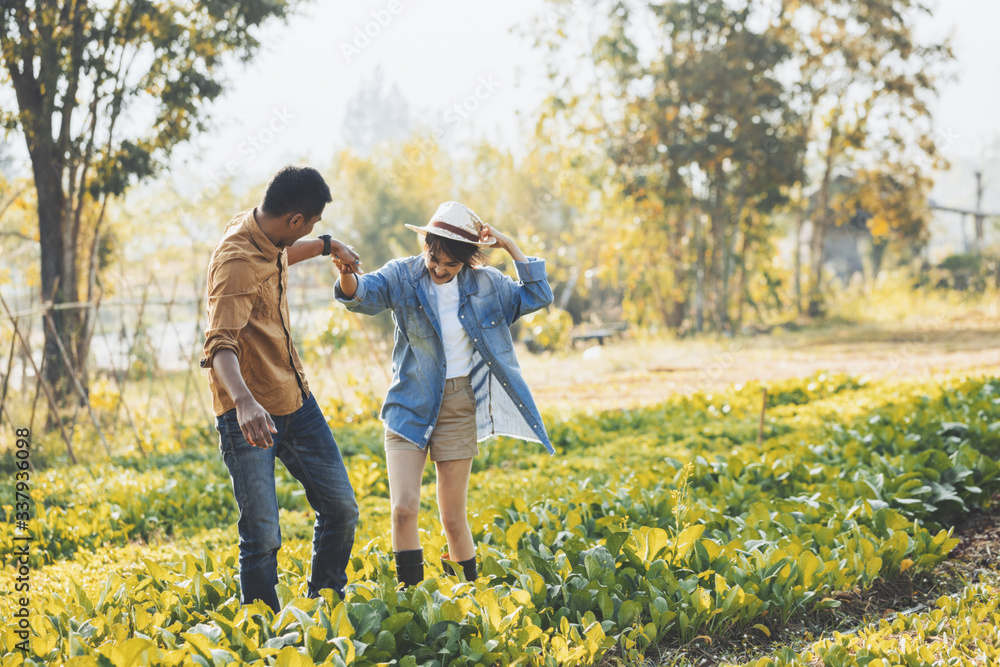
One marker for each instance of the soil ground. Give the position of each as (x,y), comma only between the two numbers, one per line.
(627,373)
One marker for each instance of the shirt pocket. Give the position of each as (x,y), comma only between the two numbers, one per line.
(418,323)
(495,331)
(266,305)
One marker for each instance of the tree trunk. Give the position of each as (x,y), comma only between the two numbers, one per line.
(741,265)
(729,255)
(877,255)
(715,262)
(799,223)
(680,277)
(699,276)
(821,221)
(56,287)
(89,315)
(723,239)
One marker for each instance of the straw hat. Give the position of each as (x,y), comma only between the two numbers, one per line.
(455,221)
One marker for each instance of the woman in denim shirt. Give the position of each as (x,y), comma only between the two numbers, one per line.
(455,378)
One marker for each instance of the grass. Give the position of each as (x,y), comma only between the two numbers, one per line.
(633,445)
(925,341)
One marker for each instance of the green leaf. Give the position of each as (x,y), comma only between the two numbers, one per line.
(385,641)
(656,543)
(809,564)
(628,613)
(289,657)
(515,533)
(685,541)
(615,541)
(606,605)
(365,619)
(397,622)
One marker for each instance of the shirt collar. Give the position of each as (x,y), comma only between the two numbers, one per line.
(467,283)
(269,250)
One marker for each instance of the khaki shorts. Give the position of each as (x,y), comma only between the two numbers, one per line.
(454,434)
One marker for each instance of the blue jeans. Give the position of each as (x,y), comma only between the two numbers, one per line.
(306,447)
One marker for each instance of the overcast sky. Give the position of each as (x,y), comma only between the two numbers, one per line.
(438,52)
(289,104)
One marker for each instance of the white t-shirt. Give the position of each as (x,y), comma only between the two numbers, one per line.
(457,346)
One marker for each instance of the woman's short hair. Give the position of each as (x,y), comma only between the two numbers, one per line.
(460,251)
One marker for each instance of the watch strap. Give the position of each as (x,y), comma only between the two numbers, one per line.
(326,244)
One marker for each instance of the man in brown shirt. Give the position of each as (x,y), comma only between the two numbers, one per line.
(264,409)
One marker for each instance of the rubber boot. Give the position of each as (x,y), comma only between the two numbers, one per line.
(471,571)
(469,568)
(409,567)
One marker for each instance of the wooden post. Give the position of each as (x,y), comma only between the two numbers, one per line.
(48,390)
(980,241)
(76,381)
(6,380)
(760,429)
(155,370)
(34,401)
(121,402)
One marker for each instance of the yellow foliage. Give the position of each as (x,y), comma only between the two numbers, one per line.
(879,227)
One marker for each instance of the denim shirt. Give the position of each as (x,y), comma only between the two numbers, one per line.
(489,302)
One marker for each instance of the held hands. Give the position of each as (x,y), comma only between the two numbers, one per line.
(345,258)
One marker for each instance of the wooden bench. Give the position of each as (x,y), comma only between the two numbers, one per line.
(607,331)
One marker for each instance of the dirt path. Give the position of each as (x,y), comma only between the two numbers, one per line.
(629,373)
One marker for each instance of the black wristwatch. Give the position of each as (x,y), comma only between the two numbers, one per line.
(326,244)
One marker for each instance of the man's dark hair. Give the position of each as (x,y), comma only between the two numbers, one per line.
(296,190)
(460,251)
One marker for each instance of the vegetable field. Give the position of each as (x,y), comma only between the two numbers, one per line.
(692,520)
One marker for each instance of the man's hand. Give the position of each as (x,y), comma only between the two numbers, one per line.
(255,422)
(345,258)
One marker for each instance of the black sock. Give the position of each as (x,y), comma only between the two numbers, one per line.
(409,566)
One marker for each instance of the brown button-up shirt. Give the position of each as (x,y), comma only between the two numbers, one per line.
(248,314)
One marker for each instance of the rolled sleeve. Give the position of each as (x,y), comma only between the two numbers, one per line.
(531,271)
(374,293)
(230,303)
(359,294)
(529,293)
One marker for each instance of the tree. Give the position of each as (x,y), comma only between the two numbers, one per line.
(104,91)
(375,115)
(866,82)
(700,134)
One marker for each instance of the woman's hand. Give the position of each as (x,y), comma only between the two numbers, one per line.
(344,258)
(486,232)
